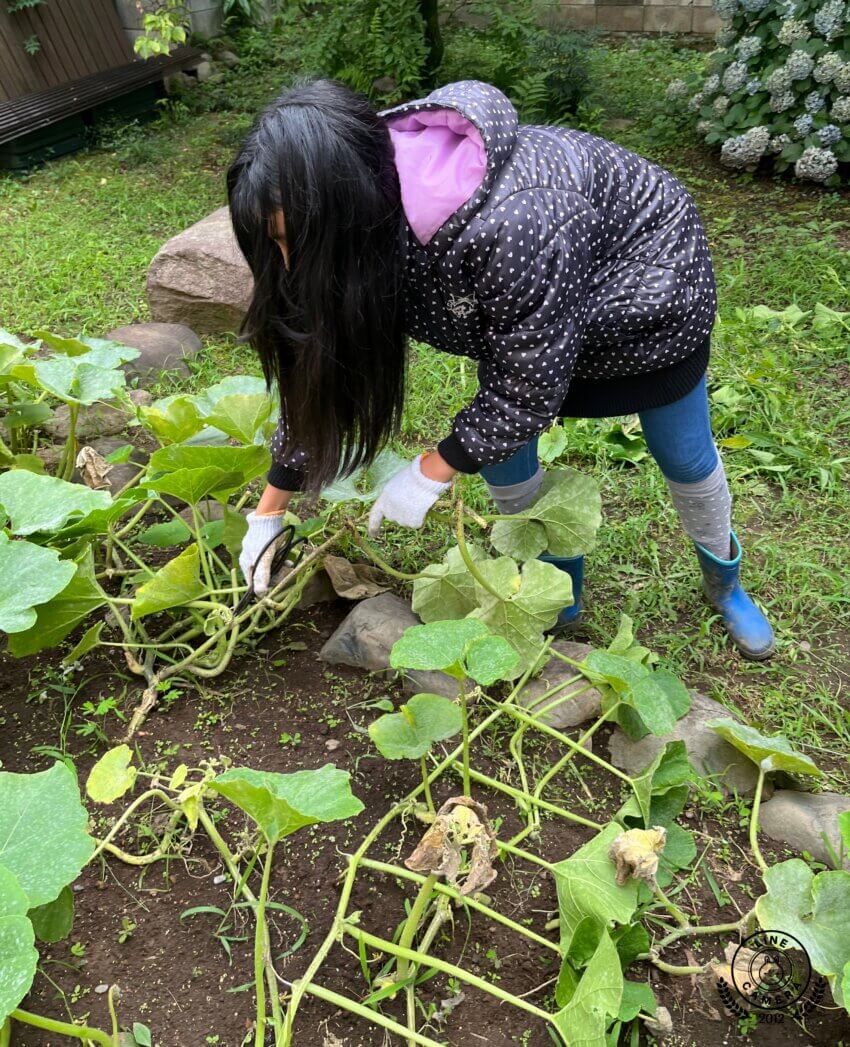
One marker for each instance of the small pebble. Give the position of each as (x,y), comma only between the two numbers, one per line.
(331,744)
(101,989)
(221,878)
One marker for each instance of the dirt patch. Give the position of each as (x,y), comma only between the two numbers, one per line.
(281,709)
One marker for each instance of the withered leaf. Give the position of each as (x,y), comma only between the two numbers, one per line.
(635,853)
(461,825)
(93,467)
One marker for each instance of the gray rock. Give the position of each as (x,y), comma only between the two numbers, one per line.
(96,420)
(798,819)
(709,753)
(228,58)
(208,508)
(569,712)
(203,71)
(200,278)
(162,347)
(366,636)
(175,83)
(121,473)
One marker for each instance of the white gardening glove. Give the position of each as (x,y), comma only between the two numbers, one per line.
(405,498)
(260,530)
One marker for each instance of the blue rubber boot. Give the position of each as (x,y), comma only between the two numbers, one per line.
(748,628)
(574,567)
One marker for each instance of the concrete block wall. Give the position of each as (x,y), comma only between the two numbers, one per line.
(641,16)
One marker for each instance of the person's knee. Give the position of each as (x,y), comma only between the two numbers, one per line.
(691,466)
(513,498)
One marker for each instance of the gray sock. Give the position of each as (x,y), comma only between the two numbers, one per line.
(705,509)
(513,498)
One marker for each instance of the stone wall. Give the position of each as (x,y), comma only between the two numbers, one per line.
(642,16)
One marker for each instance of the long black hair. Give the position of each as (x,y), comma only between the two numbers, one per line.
(329,328)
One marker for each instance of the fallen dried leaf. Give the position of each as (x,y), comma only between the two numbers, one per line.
(354,581)
(94,468)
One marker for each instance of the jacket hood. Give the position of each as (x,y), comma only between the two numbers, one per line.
(450,148)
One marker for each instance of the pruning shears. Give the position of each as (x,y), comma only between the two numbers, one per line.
(285,541)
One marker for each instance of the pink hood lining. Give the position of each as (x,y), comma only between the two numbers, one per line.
(441,161)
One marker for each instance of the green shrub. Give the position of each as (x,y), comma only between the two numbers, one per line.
(778,88)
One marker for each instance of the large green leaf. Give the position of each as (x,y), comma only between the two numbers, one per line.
(447,589)
(670,769)
(45,503)
(195,485)
(410,733)
(490,658)
(522,605)
(43,838)
(112,775)
(563,520)
(177,583)
(101,351)
(241,415)
(595,1001)
(660,699)
(815,909)
(53,921)
(238,466)
(81,379)
(364,484)
(280,804)
(87,642)
(587,887)
(57,618)
(232,385)
(163,535)
(18,960)
(652,700)
(172,419)
(769,753)
(29,576)
(437,645)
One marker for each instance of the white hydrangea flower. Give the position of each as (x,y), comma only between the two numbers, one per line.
(841,110)
(734,77)
(816,164)
(779,103)
(778,143)
(827,66)
(748,47)
(695,102)
(743,152)
(778,81)
(829,134)
(726,8)
(676,90)
(725,36)
(799,65)
(720,105)
(793,30)
(828,19)
(703,127)
(841,78)
(754,86)
(711,85)
(815,101)
(754,6)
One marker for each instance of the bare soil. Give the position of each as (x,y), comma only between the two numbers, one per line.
(282,709)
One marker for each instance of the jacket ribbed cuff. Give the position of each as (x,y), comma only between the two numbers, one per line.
(286,477)
(452,451)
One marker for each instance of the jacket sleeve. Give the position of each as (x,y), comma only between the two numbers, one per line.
(287,470)
(531,274)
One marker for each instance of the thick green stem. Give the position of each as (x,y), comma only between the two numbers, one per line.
(671,968)
(552,808)
(672,908)
(446,968)
(261,949)
(6,1029)
(754,824)
(150,794)
(464,715)
(455,895)
(374,1017)
(79,1032)
(379,561)
(715,928)
(527,856)
(429,800)
(465,556)
(414,918)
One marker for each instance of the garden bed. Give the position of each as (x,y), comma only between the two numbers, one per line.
(282,709)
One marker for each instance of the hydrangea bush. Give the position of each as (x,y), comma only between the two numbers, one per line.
(777,89)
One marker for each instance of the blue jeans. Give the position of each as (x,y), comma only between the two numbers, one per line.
(678,436)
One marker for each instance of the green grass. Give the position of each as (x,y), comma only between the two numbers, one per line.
(79,234)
